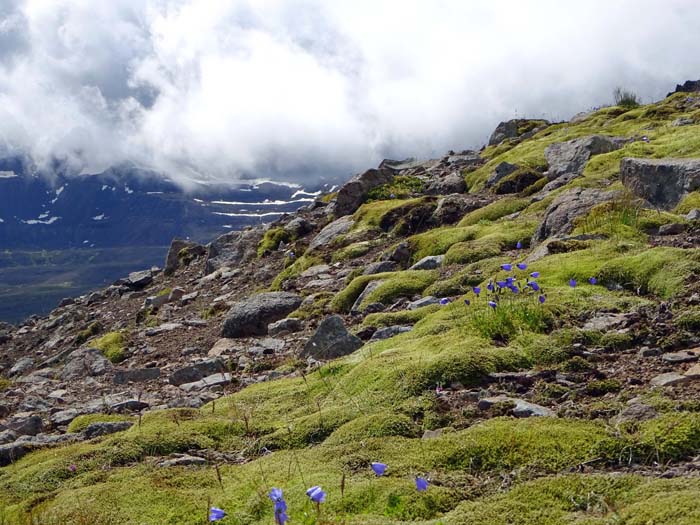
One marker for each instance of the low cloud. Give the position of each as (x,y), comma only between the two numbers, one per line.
(307,90)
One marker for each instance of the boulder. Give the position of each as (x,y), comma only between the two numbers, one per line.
(452,208)
(25,425)
(182,460)
(208,382)
(11,452)
(352,194)
(693,215)
(139,280)
(85,362)
(197,371)
(522,408)
(389,331)
(298,227)
(673,228)
(94,430)
(251,317)
(429,262)
(401,253)
(516,128)
(369,288)
(501,171)
(423,301)
(331,340)
(285,326)
(636,411)
(328,234)
(689,86)
(670,379)
(380,267)
(176,256)
(559,216)
(63,417)
(232,249)
(451,183)
(129,405)
(572,156)
(661,182)
(135,375)
(7,436)
(21,366)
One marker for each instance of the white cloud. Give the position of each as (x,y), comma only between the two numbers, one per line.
(300,89)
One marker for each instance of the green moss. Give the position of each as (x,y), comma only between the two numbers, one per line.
(314,308)
(5,383)
(384,214)
(689,320)
(352,251)
(494,211)
(80,423)
(91,331)
(401,187)
(603,386)
(112,345)
(294,270)
(164,292)
(396,284)
(689,202)
(374,426)
(272,239)
(404,317)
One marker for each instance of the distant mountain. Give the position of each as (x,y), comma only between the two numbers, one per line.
(62,235)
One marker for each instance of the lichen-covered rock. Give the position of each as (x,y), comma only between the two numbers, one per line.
(661,182)
(179,253)
(451,183)
(429,262)
(352,194)
(233,249)
(85,362)
(570,157)
(516,128)
(252,316)
(328,234)
(331,340)
(196,371)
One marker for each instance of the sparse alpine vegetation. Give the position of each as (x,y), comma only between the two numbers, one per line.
(497,337)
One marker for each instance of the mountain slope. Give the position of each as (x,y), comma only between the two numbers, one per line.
(563,390)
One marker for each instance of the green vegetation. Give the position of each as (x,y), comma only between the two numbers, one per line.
(80,423)
(4,383)
(404,317)
(91,331)
(689,202)
(394,285)
(400,188)
(272,239)
(294,270)
(112,345)
(626,99)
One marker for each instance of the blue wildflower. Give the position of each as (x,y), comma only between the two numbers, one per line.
(534,286)
(522,266)
(378,468)
(490,286)
(280,506)
(316,494)
(467,302)
(572,283)
(509,281)
(421,484)
(514,288)
(492,304)
(216,514)
(535,275)
(477,291)
(593,280)
(501,284)
(541,299)
(519,246)
(507,267)
(444,301)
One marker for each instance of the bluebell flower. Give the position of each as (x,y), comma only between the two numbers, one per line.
(519,246)
(444,301)
(572,283)
(490,286)
(316,494)
(492,304)
(535,275)
(507,267)
(291,255)
(216,514)
(378,468)
(522,266)
(501,284)
(421,484)
(541,299)
(514,288)
(467,302)
(280,506)
(477,291)
(509,281)
(534,286)
(593,280)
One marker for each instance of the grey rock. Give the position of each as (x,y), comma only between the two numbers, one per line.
(139,280)
(284,326)
(174,258)
(390,331)
(135,375)
(331,340)
(430,262)
(380,267)
(183,460)
(197,371)
(672,229)
(299,227)
(8,436)
(693,215)
(605,322)
(683,356)
(208,382)
(155,301)
(233,249)
(649,352)
(352,194)
(500,172)
(369,288)
(510,129)
(689,86)
(94,430)
(400,254)
(315,271)
(522,408)
(683,121)
(130,405)
(251,317)
(560,215)
(636,412)
(85,362)
(670,379)
(29,425)
(329,233)
(452,208)
(661,182)
(63,417)
(432,434)
(95,297)
(21,366)
(572,156)
(161,329)
(11,452)
(423,301)
(451,183)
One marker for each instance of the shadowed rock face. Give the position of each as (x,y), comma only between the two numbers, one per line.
(352,194)
(516,128)
(233,249)
(689,86)
(251,317)
(571,156)
(661,182)
(331,340)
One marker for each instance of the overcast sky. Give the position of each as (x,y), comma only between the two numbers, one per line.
(302,89)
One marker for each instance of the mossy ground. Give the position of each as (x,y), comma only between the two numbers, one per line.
(375,404)
(112,345)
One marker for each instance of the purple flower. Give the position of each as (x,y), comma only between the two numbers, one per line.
(509,281)
(421,484)
(501,284)
(444,301)
(507,267)
(73,467)
(492,304)
(535,275)
(378,468)
(519,246)
(291,255)
(541,299)
(216,514)
(467,302)
(514,288)
(593,280)
(280,506)
(522,266)
(490,286)
(316,495)
(534,286)
(572,283)
(477,291)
